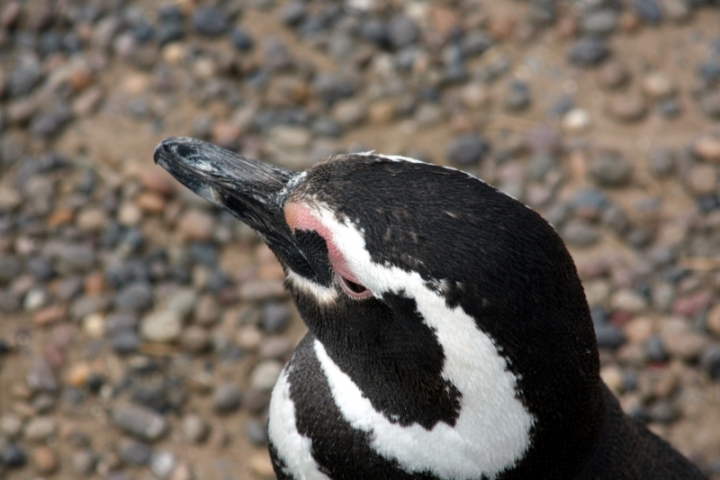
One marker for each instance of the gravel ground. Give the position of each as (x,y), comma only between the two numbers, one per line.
(141,330)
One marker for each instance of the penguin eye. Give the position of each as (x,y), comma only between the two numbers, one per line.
(355,290)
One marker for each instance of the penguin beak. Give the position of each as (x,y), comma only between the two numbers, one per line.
(255,192)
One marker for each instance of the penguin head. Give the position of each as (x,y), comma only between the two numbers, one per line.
(435,293)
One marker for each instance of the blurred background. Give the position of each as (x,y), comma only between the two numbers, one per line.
(141,330)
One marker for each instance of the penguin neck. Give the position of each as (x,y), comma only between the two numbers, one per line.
(430,378)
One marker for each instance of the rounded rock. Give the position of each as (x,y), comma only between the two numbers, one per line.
(579,233)
(265,374)
(83,462)
(627,108)
(467,150)
(576,121)
(133,452)
(610,169)
(588,52)
(162,464)
(402,31)
(195,340)
(39,429)
(164,326)
(275,317)
(707,147)
(141,422)
(13,456)
(210,21)
(136,297)
(227,398)
(195,428)
(658,85)
(702,179)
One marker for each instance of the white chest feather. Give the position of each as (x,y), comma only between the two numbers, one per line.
(293,448)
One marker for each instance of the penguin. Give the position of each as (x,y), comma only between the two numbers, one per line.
(448,332)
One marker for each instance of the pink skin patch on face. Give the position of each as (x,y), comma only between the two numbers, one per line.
(300,217)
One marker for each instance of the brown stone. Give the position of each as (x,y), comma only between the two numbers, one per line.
(658,85)
(639,329)
(59,217)
(196,225)
(629,22)
(95,283)
(382,112)
(157,180)
(713,320)
(226,134)
(627,108)
(444,19)
(45,459)
(78,374)
(92,219)
(612,74)
(707,147)
(260,463)
(502,28)
(150,202)
(567,26)
(88,101)
(702,179)
(49,315)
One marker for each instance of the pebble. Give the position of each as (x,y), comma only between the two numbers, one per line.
(39,429)
(613,378)
(609,336)
(162,464)
(265,374)
(658,85)
(576,120)
(402,31)
(241,39)
(702,179)
(467,150)
(707,147)
(13,456)
(609,168)
(260,464)
(227,398)
(275,347)
(518,96)
(133,452)
(648,10)
(710,362)
(83,461)
(10,426)
(579,233)
(600,22)
(136,297)
(210,21)
(141,422)
(275,317)
(662,162)
(195,428)
(350,113)
(628,301)
(196,225)
(195,340)
(588,52)
(627,108)
(163,326)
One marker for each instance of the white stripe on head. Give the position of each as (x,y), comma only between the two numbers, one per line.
(492,431)
(321,293)
(293,448)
